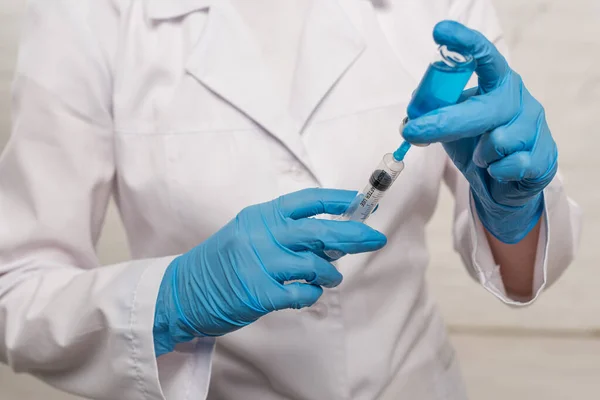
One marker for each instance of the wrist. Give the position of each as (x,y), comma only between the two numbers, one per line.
(509,224)
(169,329)
(163,342)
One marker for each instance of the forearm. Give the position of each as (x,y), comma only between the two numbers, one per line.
(517,262)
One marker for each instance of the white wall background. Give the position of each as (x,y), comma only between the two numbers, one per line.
(550,351)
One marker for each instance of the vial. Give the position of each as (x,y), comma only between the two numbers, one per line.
(443,82)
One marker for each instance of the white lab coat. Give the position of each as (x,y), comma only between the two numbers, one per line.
(186,111)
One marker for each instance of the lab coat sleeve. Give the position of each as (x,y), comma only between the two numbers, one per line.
(561,221)
(81,328)
(559,236)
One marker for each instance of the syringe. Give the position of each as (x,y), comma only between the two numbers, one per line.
(441,85)
(380,181)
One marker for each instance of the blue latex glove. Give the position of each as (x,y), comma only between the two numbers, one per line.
(497,136)
(239,274)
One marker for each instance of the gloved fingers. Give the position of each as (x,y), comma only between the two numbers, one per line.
(311,268)
(467,94)
(471,118)
(504,141)
(309,202)
(297,295)
(513,168)
(492,68)
(316,235)
(534,167)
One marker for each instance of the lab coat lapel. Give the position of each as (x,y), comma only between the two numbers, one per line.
(228,61)
(330,45)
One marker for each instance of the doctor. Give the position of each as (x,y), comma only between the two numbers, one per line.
(213,124)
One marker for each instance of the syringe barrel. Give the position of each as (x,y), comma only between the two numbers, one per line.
(365,201)
(380,181)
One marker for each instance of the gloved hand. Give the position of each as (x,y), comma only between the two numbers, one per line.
(497,136)
(239,274)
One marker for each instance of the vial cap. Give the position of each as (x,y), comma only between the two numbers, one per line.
(454,59)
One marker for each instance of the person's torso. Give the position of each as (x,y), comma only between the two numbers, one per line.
(211,116)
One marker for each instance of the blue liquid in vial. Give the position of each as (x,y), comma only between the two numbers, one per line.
(441,86)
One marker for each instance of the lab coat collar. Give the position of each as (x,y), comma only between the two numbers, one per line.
(228,61)
(167,9)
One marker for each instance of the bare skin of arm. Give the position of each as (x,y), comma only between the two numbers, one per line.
(517,262)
